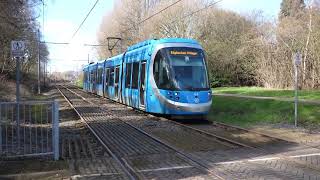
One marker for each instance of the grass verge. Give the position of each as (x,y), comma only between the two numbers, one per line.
(258,91)
(246,112)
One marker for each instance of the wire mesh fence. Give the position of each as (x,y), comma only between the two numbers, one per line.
(29,128)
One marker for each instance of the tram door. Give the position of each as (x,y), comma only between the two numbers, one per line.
(142,88)
(116,83)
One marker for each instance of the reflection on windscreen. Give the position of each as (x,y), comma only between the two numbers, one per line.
(180,69)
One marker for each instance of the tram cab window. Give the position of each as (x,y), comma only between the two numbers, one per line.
(181,69)
(161,72)
(135,74)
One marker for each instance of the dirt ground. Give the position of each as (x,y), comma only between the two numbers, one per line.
(289,132)
(8,91)
(30,168)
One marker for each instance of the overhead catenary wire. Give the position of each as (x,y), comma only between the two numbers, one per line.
(95,45)
(57,43)
(197,11)
(153,15)
(144,20)
(83,21)
(67,43)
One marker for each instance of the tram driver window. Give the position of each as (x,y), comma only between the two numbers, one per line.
(160,71)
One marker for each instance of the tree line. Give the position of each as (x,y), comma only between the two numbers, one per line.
(241,49)
(19,21)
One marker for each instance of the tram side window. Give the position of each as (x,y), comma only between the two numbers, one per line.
(88,76)
(99,79)
(135,74)
(94,76)
(160,71)
(94,79)
(117,75)
(128,75)
(107,76)
(111,80)
(91,76)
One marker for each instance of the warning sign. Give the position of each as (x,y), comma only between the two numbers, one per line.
(17,48)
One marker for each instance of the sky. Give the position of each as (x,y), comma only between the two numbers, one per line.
(63,17)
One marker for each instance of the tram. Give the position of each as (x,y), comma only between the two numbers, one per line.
(162,76)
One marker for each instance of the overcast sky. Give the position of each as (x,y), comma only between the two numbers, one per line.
(62,18)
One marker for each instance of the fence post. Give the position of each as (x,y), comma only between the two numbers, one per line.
(55,130)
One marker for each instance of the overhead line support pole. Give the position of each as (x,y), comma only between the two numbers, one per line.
(18,98)
(296,62)
(39,91)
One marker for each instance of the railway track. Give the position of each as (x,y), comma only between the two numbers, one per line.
(232,135)
(244,136)
(202,136)
(139,154)
(222,150)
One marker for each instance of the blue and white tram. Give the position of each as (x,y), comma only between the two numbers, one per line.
(166,76)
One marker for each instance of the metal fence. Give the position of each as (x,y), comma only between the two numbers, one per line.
(29,128)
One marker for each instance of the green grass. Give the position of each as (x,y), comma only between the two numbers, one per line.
(79,83)
(248,112)
(258,91)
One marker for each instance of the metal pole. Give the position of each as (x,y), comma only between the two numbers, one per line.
(39,91)
(18,80)
(120,43)
(296,95)
(0,128)
(18,99)
(44,74)
(55,130)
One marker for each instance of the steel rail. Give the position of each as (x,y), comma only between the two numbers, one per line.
(124,166)
(187,156)
(234,127)
(204,132)
(283,157)
(210,134)
(218,138)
